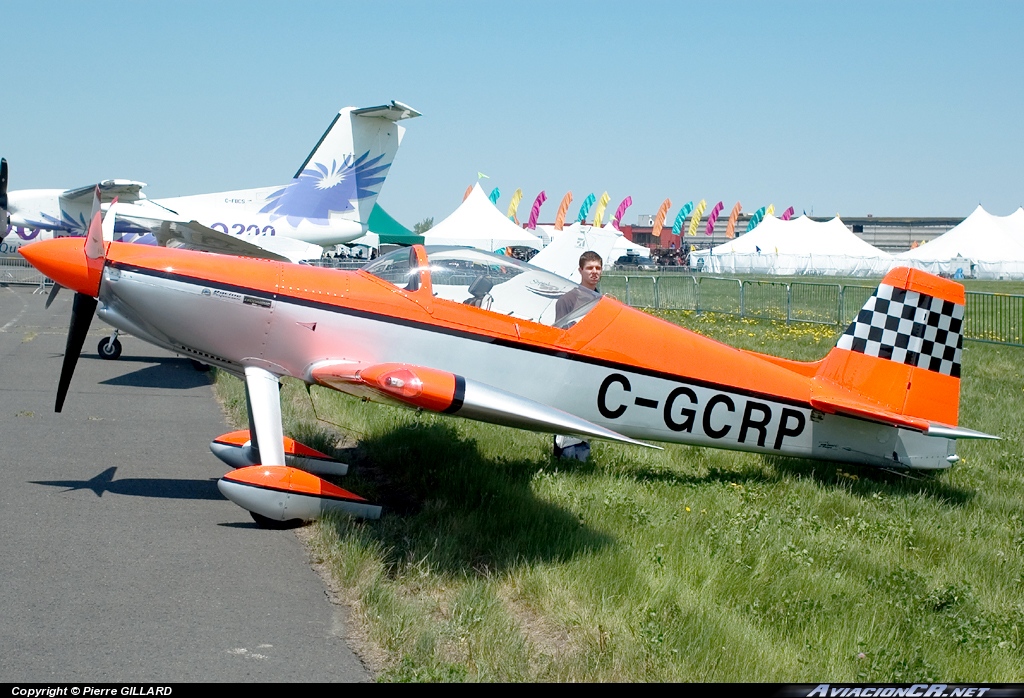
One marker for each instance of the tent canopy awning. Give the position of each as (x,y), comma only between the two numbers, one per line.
(478,223)
(382,223)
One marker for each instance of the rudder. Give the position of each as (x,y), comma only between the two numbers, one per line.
(902,352)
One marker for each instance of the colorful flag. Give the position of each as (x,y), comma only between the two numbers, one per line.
(730,227)
(756,218)
(563,208)
(659,220)
(535,210)
(517,196)
(469,190)
(585,208)
(495,193)
(677,227)
(602,203)
(621,211)
(697,213)
(714,217)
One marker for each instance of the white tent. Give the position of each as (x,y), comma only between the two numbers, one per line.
(478,223)
(795,247)
(562,255)
(982,246)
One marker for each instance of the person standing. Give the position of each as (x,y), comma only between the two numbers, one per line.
(591,267)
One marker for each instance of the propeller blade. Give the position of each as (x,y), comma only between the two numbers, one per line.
(81,317)
(3,183)
(5,217)
(53,294)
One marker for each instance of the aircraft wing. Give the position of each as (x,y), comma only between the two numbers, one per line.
(124,190)
(171,230)
(441,391)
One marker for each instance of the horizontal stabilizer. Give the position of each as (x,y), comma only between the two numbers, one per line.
(851,407)
(441,391)
(396,111)
(124,190)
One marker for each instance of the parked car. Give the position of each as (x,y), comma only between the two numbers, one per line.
(630,261)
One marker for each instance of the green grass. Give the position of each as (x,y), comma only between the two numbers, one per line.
(493,562)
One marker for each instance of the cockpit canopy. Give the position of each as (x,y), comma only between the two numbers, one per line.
(488,281)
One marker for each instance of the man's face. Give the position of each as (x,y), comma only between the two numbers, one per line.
(591,274)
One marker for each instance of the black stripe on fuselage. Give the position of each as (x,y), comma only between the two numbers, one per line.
(462,334)
(460,395)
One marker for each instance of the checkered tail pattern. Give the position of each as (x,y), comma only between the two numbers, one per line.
(909,328)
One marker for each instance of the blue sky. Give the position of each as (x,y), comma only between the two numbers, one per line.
(853,108)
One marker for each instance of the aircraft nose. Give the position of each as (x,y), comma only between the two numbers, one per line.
(64,260)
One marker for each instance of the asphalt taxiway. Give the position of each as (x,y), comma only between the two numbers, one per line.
(120,561)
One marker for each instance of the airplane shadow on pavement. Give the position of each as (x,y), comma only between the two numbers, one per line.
(163,488)
(174,374)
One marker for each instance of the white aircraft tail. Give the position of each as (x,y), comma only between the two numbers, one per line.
(344,173)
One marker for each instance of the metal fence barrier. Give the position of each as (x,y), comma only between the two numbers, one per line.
(851,299)
(815,302)
(15,271)
(994,317)
(988,317)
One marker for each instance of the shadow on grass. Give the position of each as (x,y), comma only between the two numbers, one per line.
(862,481)
(865,480)
(449,507)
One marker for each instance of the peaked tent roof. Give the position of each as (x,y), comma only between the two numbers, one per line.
(981,236)
(562,255)
(800,236)
(794,247)
(478,223)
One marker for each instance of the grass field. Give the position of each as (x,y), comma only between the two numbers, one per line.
(493,562)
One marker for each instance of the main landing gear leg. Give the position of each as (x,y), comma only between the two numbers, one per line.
(276,494)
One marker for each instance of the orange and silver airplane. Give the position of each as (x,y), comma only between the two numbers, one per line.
(469,333)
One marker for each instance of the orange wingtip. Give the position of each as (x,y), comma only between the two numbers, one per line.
(928,284)
(291,446)
(286,479)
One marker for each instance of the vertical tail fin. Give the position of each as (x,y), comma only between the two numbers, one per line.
(344,172)
(901,354)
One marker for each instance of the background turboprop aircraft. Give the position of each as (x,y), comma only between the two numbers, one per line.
(327,202)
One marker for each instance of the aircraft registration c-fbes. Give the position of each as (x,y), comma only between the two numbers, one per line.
(472,334)
(327,202)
